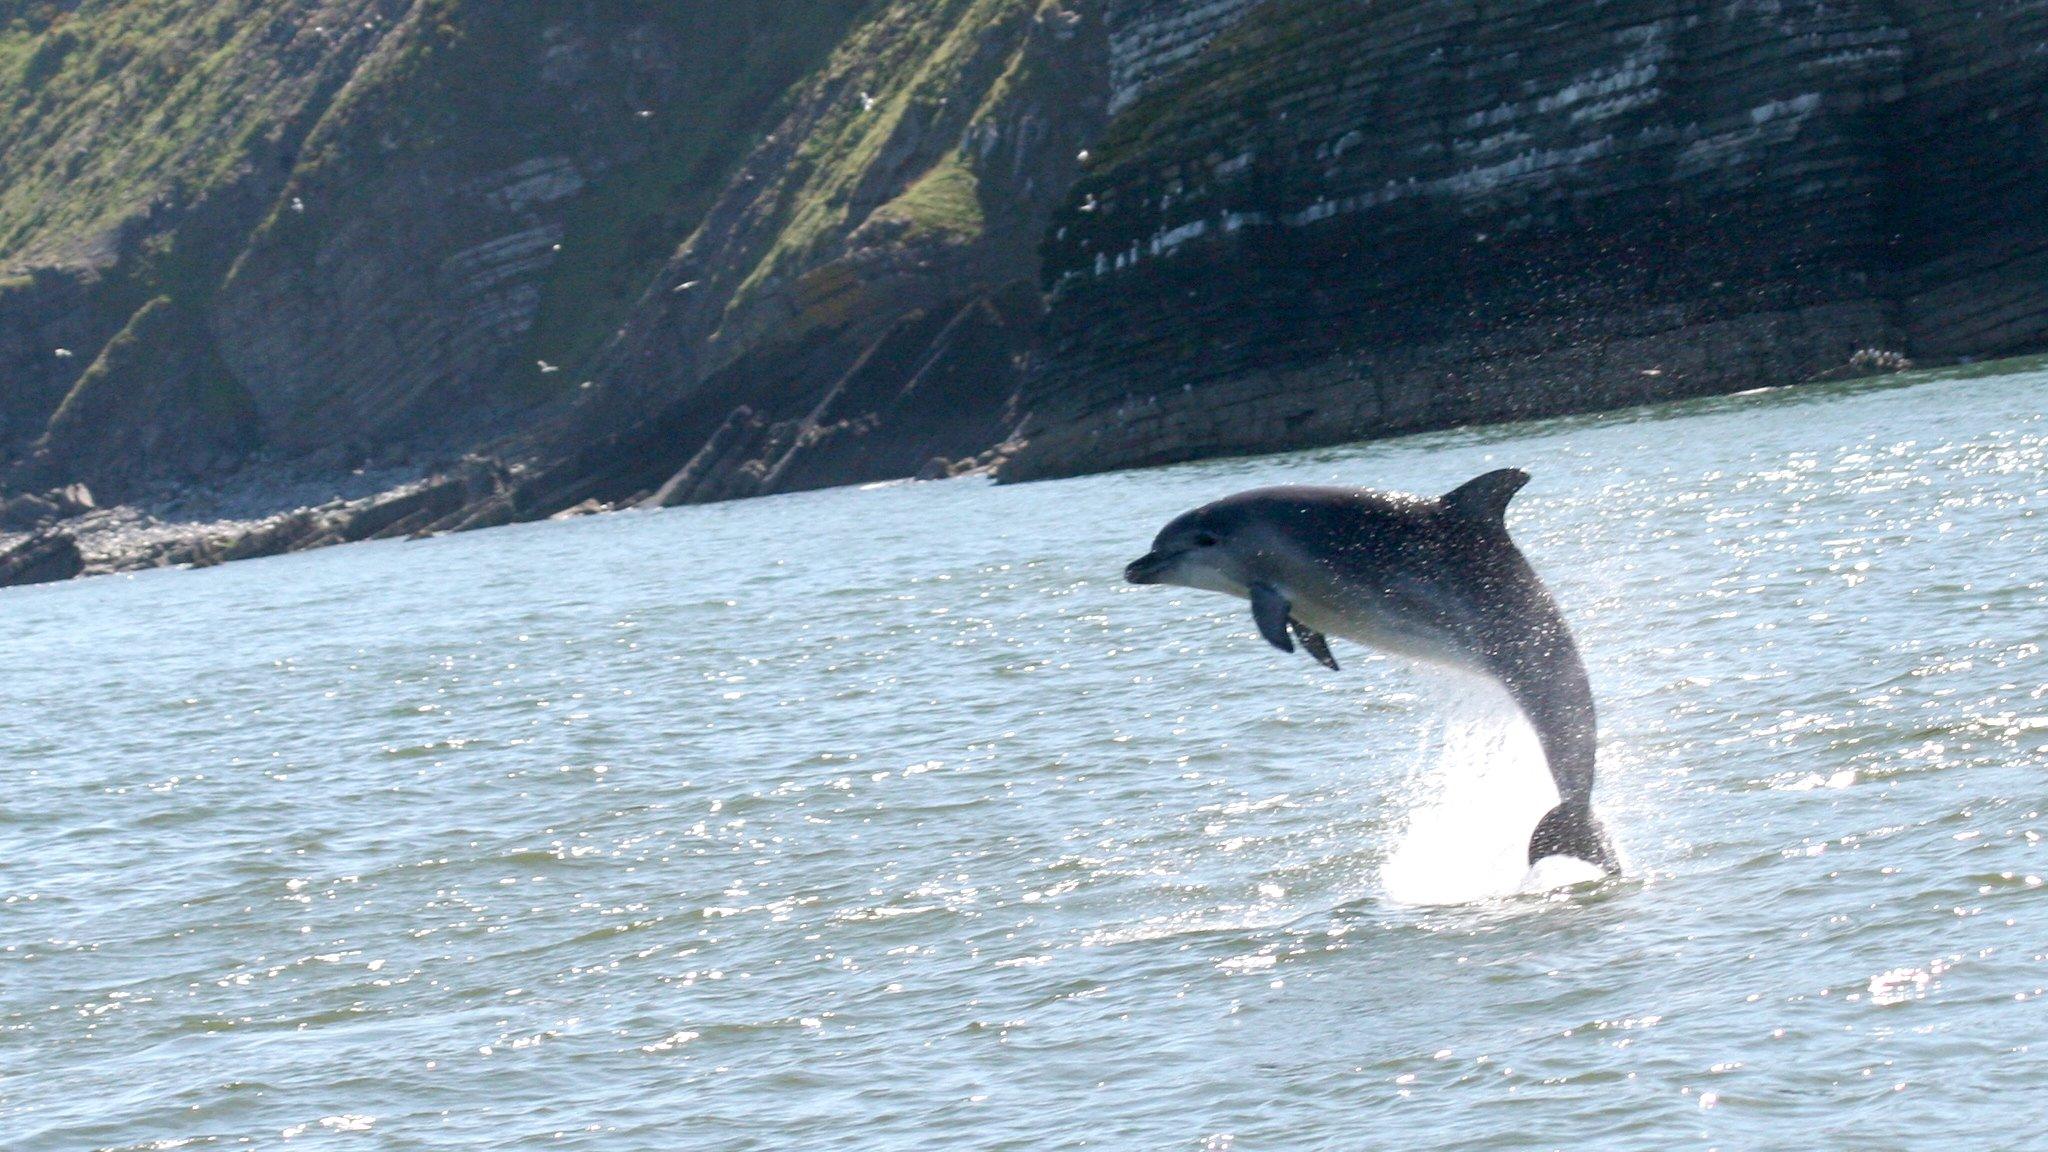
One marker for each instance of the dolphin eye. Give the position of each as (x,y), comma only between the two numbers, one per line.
(1205,540)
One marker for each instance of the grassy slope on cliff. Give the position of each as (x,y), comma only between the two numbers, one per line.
(166,142)
(138,141)
(629,223)
(121,106)
(901,71)
(896,131)
(656,105)
(126,125)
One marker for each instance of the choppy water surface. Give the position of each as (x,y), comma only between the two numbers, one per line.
(891,819)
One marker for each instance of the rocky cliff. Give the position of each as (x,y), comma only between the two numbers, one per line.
(863,296)
(612,253)
(395,219)
(1348,218)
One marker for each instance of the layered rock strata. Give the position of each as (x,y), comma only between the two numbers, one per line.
(1348,219)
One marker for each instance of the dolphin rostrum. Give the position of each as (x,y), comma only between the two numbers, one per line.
(1434,580)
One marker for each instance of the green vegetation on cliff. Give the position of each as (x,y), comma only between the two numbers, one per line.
(382,224)
(483,206)
(120,109)
(628,223)
(166,148)
(653,106)
(890,95)
(161,366)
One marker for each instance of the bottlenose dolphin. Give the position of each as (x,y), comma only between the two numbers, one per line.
(1433,580)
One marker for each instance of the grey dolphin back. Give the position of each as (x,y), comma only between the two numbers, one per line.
(1523,638)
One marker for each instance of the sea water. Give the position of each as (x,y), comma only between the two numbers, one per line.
(890,818)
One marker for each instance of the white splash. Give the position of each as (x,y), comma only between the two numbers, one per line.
(1481,787)
(1554,872)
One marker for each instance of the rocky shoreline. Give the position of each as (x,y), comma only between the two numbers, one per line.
(272,508)
(264,509)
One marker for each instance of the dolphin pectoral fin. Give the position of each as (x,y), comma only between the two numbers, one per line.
(1314,644)
(1270,609)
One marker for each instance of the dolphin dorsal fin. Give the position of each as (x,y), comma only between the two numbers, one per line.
(1485,498)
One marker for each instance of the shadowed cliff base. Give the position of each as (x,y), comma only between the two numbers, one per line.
(1507,376)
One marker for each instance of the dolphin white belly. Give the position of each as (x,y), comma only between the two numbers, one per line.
(1382,625)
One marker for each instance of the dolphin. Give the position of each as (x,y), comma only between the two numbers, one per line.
(1434,580)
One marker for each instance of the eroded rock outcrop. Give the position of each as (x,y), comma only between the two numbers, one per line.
(46,557)
(480,209)
(863,297)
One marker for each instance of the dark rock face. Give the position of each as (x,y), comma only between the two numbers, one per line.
(155,403)
(936,380)
(1968,149)
(44,558)
(30,511)
(1152,40)
(1347,219)
(49,332)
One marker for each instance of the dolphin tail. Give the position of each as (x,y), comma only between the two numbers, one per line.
(1572,830)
